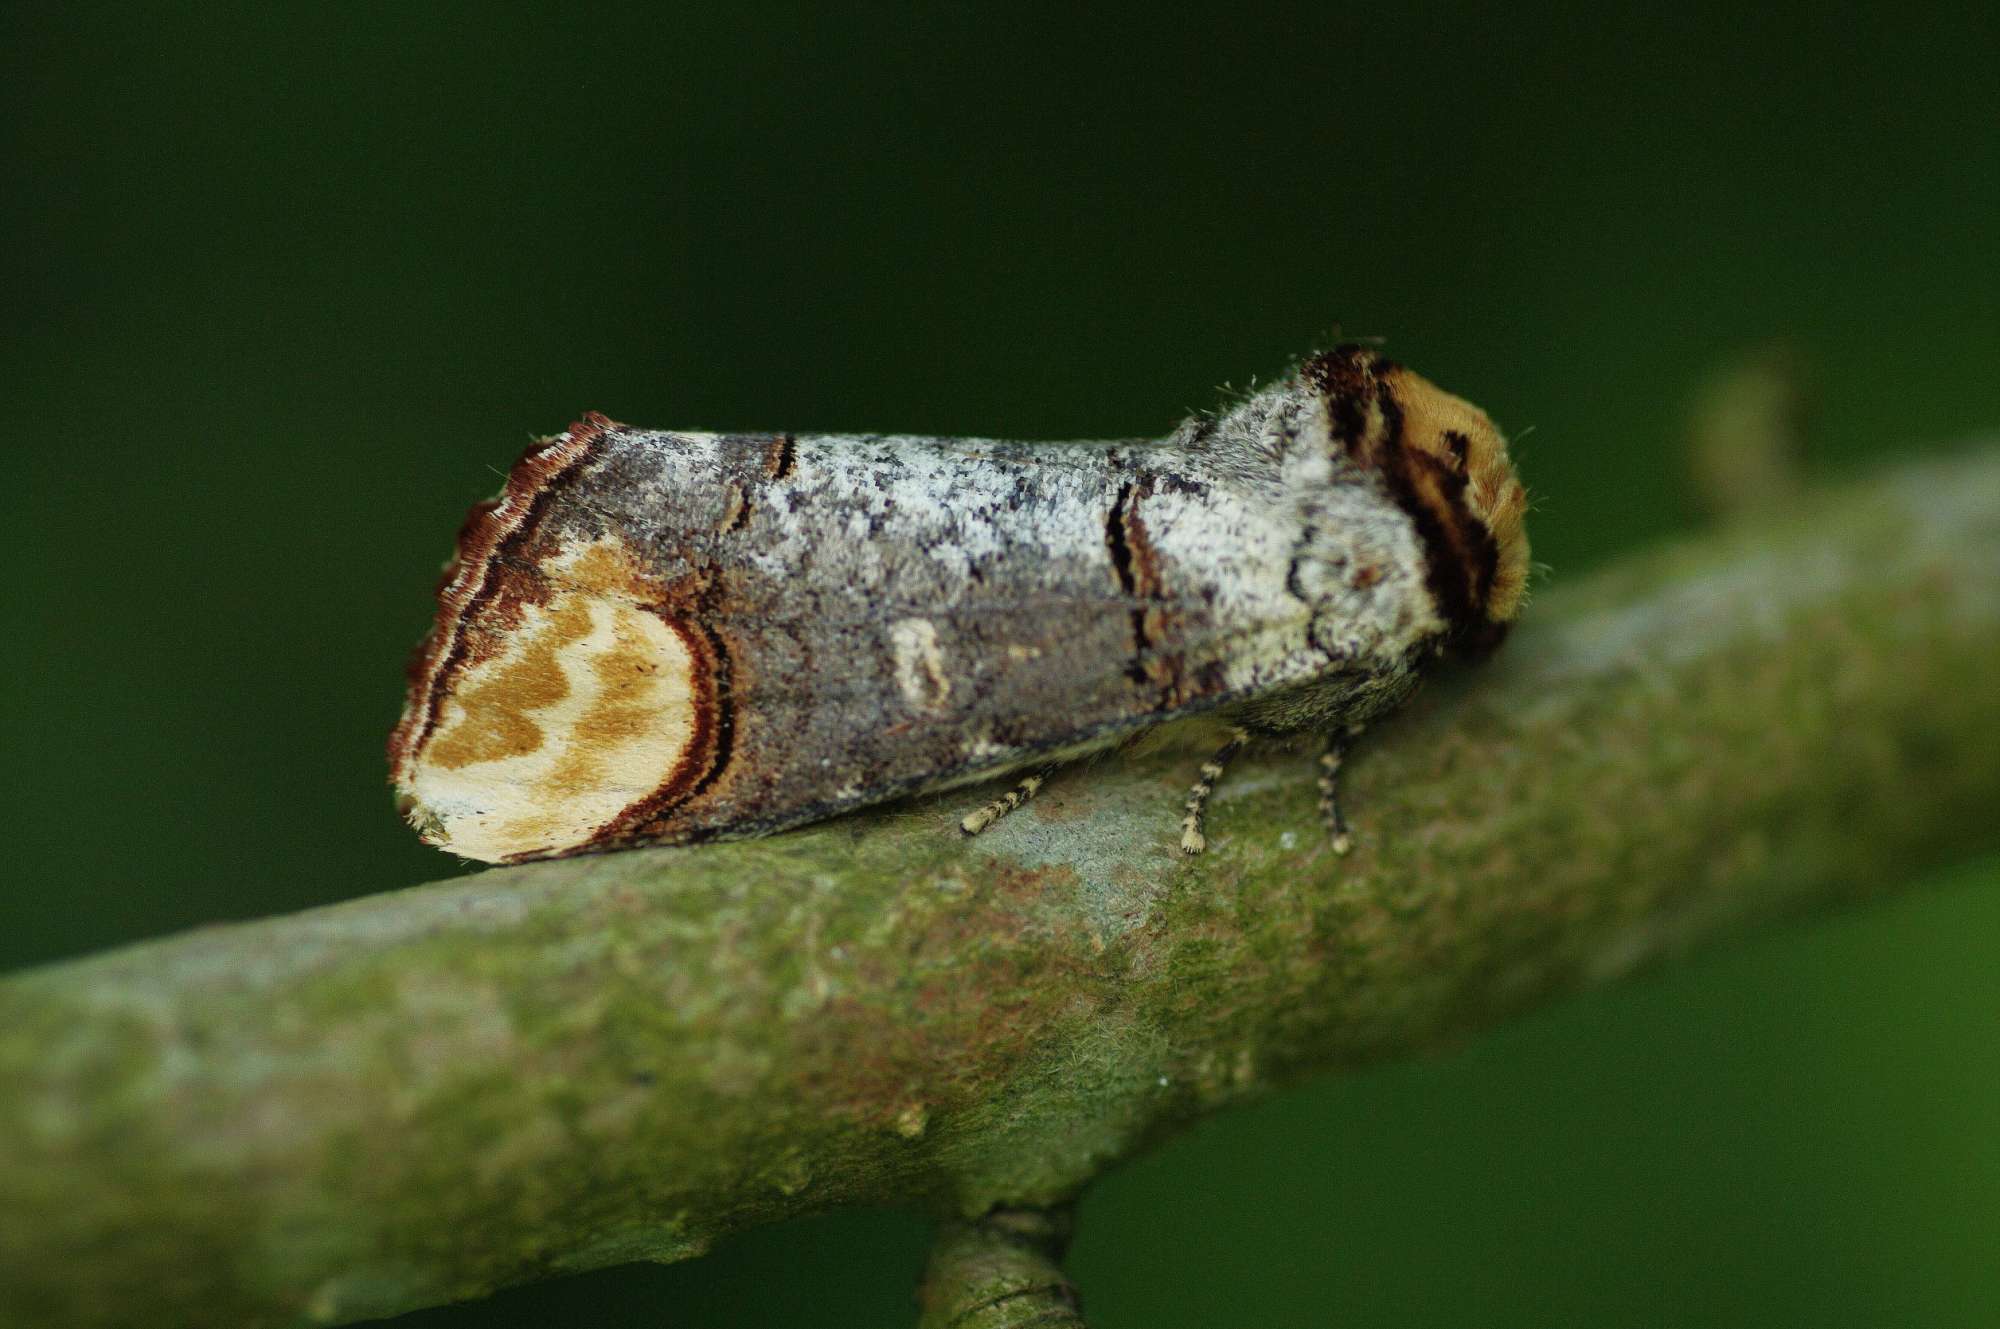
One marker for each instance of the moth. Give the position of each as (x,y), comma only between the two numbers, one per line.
(658,636)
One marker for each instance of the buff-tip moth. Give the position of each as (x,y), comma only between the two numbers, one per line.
(656,636)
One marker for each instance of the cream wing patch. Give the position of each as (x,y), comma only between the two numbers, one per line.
(585,707)
(921,673)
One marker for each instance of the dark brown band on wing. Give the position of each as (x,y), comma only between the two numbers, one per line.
(1141,577)
(779,457)
(715,717)
(1135,562)
(710,742)
(492,531)
(1345,379)
(1118,543)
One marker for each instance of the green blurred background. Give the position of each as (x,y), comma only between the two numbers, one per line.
(286,287)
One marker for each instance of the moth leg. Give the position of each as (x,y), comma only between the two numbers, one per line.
(1329,787)
(975,822)
(1192,840)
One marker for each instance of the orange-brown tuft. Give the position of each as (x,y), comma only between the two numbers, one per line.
(1467,442)
(1447,465)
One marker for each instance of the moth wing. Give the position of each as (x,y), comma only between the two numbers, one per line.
(659,636)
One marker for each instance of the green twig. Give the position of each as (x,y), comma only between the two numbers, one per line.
(424,1095)
(1001,1271)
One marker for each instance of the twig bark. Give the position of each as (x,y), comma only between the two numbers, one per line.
(1001,1271)
(423,1095)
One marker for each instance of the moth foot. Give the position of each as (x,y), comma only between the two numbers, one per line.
(1329,790)
(975,822)
(1192,840)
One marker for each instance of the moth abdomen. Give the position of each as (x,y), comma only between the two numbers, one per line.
(668,636)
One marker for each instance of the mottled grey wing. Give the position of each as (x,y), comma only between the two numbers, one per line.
(674,636)
(882,614)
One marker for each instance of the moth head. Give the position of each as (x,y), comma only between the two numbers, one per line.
(1446,465)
